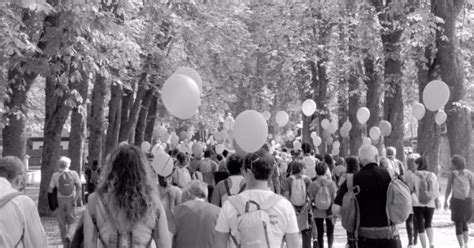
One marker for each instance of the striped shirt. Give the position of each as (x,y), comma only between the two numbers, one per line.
(20,217)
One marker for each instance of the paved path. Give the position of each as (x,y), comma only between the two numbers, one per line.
(443,227)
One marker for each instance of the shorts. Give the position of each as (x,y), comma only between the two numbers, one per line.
(461,209)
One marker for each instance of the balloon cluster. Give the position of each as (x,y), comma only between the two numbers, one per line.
(435,96)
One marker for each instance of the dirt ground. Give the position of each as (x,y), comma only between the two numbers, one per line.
(443,227)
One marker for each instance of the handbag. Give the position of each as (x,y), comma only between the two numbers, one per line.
(53,200)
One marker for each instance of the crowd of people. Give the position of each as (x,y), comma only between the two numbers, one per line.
(262,199)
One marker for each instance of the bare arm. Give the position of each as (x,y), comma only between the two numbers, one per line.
(162,237)
(220,240)
(448,191)
(292,240)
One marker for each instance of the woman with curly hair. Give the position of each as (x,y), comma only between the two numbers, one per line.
(126,211)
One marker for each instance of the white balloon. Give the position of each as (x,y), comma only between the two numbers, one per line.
(190,72)
(290,136)
(435,95)
(335,152)
(163,164)
(363,115)
(282,118)
(329,140)
(181,96)
(313,135)
(145,146)
(386,128)
(308,107)
(157,149)
(367,141)
(375,133)
(418,110)
(336,144)
(441,117)
(250,130)
(317,141)
(325,123)
(347,125)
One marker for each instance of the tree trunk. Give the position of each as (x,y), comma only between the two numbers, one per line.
(114,118)
(343,114)
(127,100)
(151,118)
(452,73)
(97,119)
(127,131)
(356,101)
(428,140)
(142,117)
(374,96)
(78,133)
(56,114)
(393,102)
(14,133)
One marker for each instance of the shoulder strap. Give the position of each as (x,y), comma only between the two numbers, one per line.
(242,188)
(226,184)
(271,201)
(350,181)
(9,197)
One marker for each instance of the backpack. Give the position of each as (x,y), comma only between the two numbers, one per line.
(323,199)
(116,240)
(350,216)
(398,205)
(253,229)
(298,190)
(66,184)
(6,199)
(461,185)
(95,176)
(227,190)
(427,191)
(205,166)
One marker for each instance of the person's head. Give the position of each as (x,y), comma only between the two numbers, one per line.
(459,162)
(234,164)
(306,147)
(260,164)
(340,161)
(421,163)
(182,158)
(95,164)
(319,157)
(411,165)
(266,147)
(219,157)
(64,163)
(391,152)
(128,184)
(368,154)
(352,164)
(297,167)
(195,189)
(384,162)
(321,168)
(12,169)
(208,153)
(328,159)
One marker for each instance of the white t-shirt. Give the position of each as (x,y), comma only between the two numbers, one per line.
(310,163)
(282,214)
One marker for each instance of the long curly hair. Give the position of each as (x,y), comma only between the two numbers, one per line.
(127,185)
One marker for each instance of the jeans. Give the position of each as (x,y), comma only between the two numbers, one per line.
(380,243)
(67,218)
(329,230)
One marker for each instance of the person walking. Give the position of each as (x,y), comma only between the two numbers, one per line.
(322,192)
(125,210)
(257,217)
(194,220)
(426,189)
(460,185)
(68,185)
(409,178)
(232,185)
(20,224)
(375,229)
